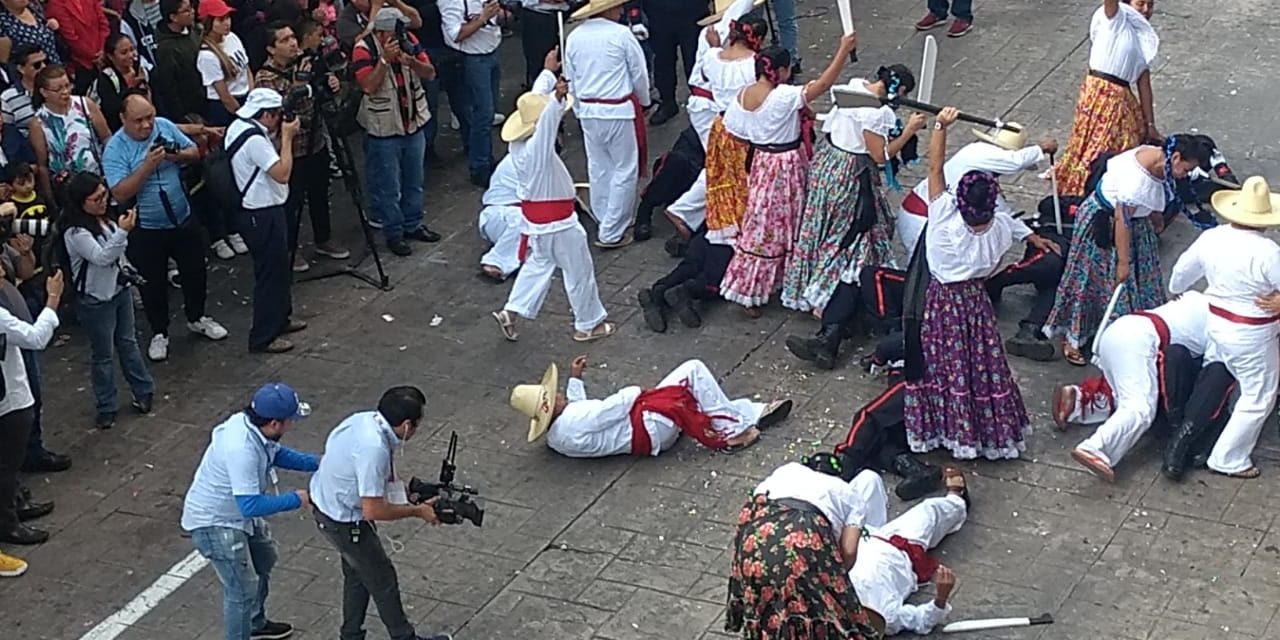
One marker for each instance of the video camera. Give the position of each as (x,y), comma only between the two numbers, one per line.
(296,100)
(455,503)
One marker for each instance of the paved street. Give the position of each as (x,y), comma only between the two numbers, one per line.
(624,548)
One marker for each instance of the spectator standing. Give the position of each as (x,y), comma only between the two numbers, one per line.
(24,22)
(539,33)
(675,29)
(223,64)
(448,64)
(471,27)
(249,23)
(784,15)
(394,143)
(120,73)
(16,106)
(101,278)
(141,164)
(83,30)
(310,180)
(262,176)
(937,16)
(176,84)
(354,18)
(139,22)
(68,131)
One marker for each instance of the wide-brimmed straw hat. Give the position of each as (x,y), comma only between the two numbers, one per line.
(537,401)
(1253,205)
(1004,138)
(529,107)
(596,7)
(721,7)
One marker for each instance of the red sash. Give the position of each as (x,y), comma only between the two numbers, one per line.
(701,92)
(1239,319)
(922,563)
(642,134)
(542,212)
(1162,328)
(677,404)
(915,205)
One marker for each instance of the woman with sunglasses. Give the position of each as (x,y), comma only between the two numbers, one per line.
(120,73)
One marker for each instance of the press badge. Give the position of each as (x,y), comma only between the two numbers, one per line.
(396,493)
(275,479)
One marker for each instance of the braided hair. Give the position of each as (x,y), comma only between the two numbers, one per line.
(828,463)
(770,63)
(976,197)
(752,29)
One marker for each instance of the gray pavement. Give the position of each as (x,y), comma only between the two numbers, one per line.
(622,548)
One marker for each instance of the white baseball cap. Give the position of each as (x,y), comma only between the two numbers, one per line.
(260,100)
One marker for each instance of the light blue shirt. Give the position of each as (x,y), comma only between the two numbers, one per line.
(356,464)
(123,155)
(237,462)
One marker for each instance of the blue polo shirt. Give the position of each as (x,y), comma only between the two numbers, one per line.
(123,155)
(356,464)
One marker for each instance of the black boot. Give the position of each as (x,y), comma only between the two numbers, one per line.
(1030,343)
(680,299)
(1178,450)
(676,246)
(821,349)
(652,305)
(919,479)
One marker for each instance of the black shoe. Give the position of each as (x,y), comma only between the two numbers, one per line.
(643,231)
(422,234)
(821,349)
(143,405)
(105,420)
(919,479)
(272,631)
(28,510)
(22,534)
(1031,344)
(46,462)
(681,302)
(400,247)
(676,246)
(652,305)
(1178,450)
(666,111)
(480,180)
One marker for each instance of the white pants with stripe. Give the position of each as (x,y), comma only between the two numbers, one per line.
(613,168)
(500,225)
(1127,353)
(568,251)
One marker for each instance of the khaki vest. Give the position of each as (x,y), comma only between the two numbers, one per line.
(379,113)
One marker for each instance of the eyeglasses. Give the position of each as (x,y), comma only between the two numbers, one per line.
(38,64)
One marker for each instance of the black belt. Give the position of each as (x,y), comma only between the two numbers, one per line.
(796,504)
(777,148)
(1116,80)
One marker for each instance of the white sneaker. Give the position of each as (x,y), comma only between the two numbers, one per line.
(498,119)
(158,351)
(223,250)
(453,122)
(208,328)
(237,244)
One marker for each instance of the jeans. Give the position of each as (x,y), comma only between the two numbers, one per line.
(266,232)
(480,75)
(396,195)
(784,13)
(243,563)
(448,63)
(35,443)
(111,330)
(961,9)
(150,251)
(367,573)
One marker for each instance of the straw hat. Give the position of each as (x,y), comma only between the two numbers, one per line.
(1252,206)
(1004,138)
(529,107)
(595,7)
(721,7)
(537,401)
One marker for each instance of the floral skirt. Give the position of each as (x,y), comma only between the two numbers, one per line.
(787,581)
(726,166)
(1108,120)
(967,400)
(776,199)
(1089,277)
(818,262)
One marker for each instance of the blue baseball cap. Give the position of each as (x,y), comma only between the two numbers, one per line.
(278,401)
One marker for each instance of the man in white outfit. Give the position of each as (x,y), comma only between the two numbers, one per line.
(553,238)
(501,222)
(642,422)
(1240,265)
(606,68)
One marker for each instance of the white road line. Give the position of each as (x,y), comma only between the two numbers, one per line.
(149,599)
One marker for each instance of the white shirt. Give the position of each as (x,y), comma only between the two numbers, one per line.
(883,577)
(958,253)
(540,172)
(846,126)
(357,463)
(604,61)
(1238,264)
(211,69)
(775,121)
(834,497)
(237,462)
(454,14)
(257,153)
(599,428)
(20,335)
(727,78)
(1124,46)
(503,185)
(543,6)
(1185,318)
(983,156)
(1126,183)
(735,11)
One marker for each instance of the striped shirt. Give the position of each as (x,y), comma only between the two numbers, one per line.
(16,107)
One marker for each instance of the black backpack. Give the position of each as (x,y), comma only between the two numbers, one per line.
(56,257)
(220,179)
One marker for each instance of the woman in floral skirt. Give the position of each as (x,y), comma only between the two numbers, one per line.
(964,397)
(773,115)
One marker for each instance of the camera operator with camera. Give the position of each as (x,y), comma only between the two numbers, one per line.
(142,165)
(355,486)
(291,74)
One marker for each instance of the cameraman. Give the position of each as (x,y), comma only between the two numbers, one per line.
(289,73)
(141,163)
(355,486)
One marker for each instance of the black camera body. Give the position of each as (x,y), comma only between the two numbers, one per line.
(409,47)
(454,503)
(295,101)
(169,146)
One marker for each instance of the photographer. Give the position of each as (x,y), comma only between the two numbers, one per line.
(353,20)
(141,162)
(471,27)
(355,486)
(289,73)
(389,66)
(100,278)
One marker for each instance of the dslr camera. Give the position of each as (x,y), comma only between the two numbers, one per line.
(166,144)
(295,100)
(455,503)
(409,47)
(12,225)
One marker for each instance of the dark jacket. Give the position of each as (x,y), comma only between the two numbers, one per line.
(176,88)
(15,145)
(678,12)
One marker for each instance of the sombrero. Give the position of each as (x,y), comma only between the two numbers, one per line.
(1004,138)
(537,401)
(721,7)
(595,7)
(1253,205)
(529,107)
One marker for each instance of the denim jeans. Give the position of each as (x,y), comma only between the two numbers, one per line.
(243,563)
(480,75)
(112,332)
(961,9)
(448,80)
(784,13)
(396,171)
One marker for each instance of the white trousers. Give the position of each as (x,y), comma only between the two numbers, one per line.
(909,227)
(1127,355)
(702,121)
(691,206)
(613,168)
(566,250)
(929,522)
(741,414)
(500,226)
(870,487)
(1250,354)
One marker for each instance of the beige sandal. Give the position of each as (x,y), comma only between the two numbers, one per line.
(602,330)
(507,325)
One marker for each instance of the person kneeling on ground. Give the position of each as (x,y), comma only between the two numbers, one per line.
(697,277)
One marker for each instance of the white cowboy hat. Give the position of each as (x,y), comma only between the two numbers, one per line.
(1004,138)
(721,7)
(596,7)
(529,107)
(537,401)
(1253,205)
